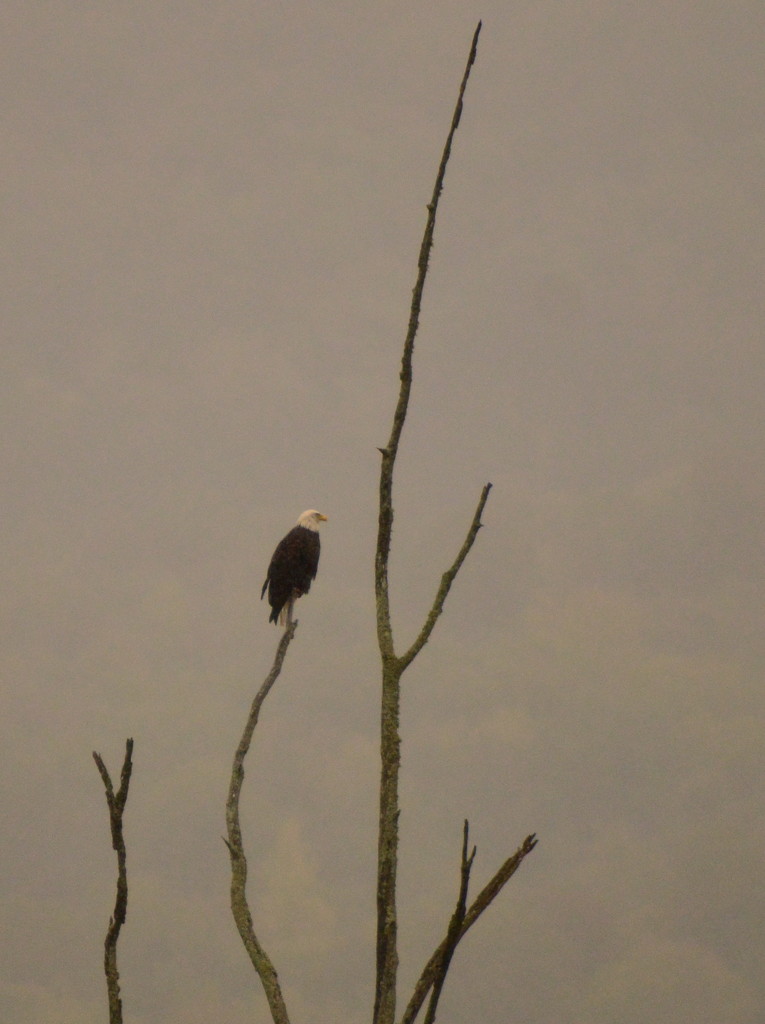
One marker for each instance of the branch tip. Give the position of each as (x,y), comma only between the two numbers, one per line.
(116,806)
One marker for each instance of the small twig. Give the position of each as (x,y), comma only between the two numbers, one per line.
(446,582)
(116,803)
(485,897)
(239,905)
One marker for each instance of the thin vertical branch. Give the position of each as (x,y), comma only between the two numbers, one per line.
(116,803)
(239,905)
(455,926)
(392,667)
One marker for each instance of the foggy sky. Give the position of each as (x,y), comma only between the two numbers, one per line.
(211,222)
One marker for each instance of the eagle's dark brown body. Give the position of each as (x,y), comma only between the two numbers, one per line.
(292,569)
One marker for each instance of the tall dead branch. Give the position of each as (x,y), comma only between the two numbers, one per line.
(393,667)
(239,906)
(116,803)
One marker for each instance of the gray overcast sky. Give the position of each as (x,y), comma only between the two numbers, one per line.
(211,218)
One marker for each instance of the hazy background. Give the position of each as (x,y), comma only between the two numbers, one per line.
(211,218)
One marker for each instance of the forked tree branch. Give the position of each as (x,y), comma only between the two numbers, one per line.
(431,972)
(116,803)
(455,926)
(239,905)
(385,522)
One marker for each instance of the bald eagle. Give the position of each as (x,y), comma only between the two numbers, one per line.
(293,566)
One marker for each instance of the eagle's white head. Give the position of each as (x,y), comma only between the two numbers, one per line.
(310,519)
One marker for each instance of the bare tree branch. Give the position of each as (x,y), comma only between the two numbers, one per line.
(392,668)
(239,905)
(485,897)
(446,582)
(116,803)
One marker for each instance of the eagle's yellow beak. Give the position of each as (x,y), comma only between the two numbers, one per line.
(323,518)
